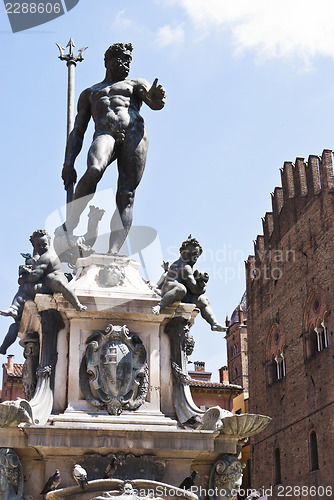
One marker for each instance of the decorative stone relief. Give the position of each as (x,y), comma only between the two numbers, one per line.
(11,475)
(114,371)
(13,413)
(122,466)
(29,373)
(110,276)
(39,408)
(182,345)
(226,477)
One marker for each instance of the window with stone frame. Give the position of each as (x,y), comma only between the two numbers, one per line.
(276,367)
(317,339)
(234,350)
(280,365)
(315,329)
(321,330)
(275,363)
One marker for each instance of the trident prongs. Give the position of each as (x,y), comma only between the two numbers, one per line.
(70,57)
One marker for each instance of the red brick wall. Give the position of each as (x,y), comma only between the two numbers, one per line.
(11,388)
(236,337)
(202,398)
(300,234)
(11,381)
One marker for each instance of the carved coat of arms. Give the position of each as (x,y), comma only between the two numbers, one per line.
(114,371)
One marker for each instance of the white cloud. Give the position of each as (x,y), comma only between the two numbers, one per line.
(170,35)
(122,21)
(271,28)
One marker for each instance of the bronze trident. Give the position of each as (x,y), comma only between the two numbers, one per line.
(71,62)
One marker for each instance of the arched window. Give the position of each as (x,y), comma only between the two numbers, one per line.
(315,324)
(313,445)
(277,467)
(321,330)
(275,355)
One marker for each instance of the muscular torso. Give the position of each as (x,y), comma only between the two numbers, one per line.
(49,263)
(180,271)
(115,107)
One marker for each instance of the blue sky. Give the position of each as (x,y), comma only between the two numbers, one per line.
(249,85)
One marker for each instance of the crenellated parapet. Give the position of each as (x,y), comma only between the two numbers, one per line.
(303,182)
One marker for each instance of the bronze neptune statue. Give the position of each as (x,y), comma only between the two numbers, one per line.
(120,134)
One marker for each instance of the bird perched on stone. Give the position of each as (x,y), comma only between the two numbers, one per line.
(195,421)
(189,481)
(255,495)
(80,476)
(52,483)
(111,468)
(28,258)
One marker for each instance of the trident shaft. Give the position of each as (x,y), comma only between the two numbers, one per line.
(71,62)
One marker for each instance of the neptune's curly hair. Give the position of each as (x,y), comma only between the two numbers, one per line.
(118,48)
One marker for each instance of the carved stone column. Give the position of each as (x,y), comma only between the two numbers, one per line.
(181,346)
(226,477)
(31,354)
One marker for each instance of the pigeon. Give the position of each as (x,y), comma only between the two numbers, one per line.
(52,483)
(111,468)
(28,258)
(189,481)
(255,495)
(195,421)
(80,475)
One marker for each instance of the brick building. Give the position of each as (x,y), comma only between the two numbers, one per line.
(237,362)
(237,346)
(11,380)
(290,295)
(206,393)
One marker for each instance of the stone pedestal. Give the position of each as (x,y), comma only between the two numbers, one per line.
(115,294)
(66,428)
